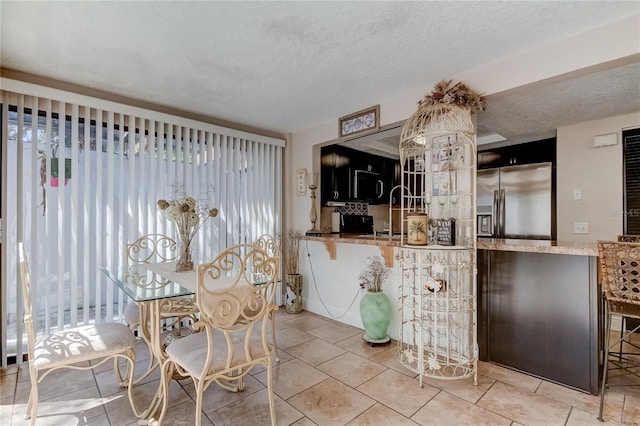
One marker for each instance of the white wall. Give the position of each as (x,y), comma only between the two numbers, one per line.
(334,291)
(597,172)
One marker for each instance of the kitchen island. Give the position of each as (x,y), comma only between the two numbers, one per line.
(539,309)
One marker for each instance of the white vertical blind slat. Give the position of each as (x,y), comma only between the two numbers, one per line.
(86,230)
(21,209)
(34,234)
(193,144)
(225,207)
(124,234)
(216,159)
(3,239)
(153,175)
(179,155)
(110,223)
(75,231)
(62,235)
(97,216)
(48,219)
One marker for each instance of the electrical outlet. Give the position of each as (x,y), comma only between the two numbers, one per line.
(577,194)
(580,227)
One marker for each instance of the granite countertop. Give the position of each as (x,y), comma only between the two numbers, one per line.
(538,246)
(378,240)
(525,246)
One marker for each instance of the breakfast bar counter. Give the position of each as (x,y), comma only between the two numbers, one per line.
(524,246)
(538,302)
(384,242)
(538,246)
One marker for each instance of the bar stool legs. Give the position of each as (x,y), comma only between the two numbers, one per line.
(605,359)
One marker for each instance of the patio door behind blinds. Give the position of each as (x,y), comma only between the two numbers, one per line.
(82,178)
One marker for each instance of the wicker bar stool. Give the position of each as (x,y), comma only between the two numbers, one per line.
(626,238)
(620,268)
(629,238)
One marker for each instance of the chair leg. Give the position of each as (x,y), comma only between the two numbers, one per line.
(199,398)
(272,408)
(622,328)
(32,406)
(273,336)
(607,320)
(131,362)
(167,370)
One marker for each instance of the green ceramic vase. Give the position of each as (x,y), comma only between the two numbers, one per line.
(375,312)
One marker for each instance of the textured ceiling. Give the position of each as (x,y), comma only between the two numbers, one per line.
(290,66)
(535,111)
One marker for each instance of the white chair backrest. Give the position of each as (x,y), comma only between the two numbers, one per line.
(151,248)
(146,249)
(236,288)
(269,244)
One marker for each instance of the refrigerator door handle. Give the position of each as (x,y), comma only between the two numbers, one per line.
(496,215)
(502,212)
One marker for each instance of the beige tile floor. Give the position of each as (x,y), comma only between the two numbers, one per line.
(327,375)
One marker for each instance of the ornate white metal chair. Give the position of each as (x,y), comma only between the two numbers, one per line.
(235,305)
(620,276)
(146,249)
(270,245)
(71,348)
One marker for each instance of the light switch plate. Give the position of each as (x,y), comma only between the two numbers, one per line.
(301,181)
(577,194)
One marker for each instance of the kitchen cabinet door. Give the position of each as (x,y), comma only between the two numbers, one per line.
(525,153)
(539,313)
(335,174)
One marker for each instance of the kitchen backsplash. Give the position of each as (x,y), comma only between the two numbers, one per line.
(380,215)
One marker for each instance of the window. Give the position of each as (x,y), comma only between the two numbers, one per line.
(631,155)
(84,179)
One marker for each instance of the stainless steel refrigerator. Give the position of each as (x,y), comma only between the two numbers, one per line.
(516,202)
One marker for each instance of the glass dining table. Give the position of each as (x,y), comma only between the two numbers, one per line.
(160,293)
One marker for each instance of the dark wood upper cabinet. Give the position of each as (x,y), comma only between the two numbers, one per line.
(341,167)
(525,153)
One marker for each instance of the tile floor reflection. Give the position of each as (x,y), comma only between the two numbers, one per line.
(327,375)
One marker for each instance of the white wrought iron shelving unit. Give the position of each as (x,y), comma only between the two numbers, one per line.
(438,333)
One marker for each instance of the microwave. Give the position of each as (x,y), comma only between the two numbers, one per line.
(368,186)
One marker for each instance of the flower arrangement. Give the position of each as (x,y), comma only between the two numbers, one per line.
(458,94)
(188,217)
(373,275)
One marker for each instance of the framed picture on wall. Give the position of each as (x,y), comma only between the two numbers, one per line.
(359,122)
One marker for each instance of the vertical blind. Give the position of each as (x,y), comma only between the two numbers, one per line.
(82,177)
